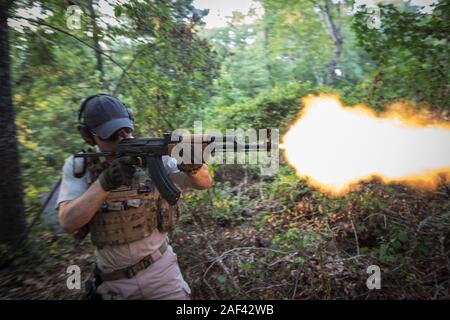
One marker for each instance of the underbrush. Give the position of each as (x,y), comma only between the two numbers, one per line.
(276,238)
(252,237)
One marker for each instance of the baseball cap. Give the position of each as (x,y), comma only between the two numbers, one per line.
(104,115)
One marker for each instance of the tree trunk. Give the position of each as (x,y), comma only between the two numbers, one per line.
(333,26)
(95,38)
(12,216)
(267,56)
(334,63)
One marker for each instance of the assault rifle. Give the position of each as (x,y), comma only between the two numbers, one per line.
(151,150)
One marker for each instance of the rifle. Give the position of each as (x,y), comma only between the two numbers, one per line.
(151,150)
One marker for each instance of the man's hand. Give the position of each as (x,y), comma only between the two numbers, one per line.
(119,173)
(199,180)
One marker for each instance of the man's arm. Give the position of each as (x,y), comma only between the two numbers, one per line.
(200,180)
(74,214)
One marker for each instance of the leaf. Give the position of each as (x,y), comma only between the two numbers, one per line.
(402,237)
(364,250)
(117,11)
(303,191)
(221,279)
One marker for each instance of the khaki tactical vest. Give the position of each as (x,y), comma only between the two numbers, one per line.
(130,213)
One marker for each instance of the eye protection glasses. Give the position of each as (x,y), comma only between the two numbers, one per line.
(121,133)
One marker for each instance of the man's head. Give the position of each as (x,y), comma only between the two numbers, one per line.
(104,121)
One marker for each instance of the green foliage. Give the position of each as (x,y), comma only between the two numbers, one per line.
(305,240)
(151,58)
(272,109)
(411,53)
(159,61)
(305,47)
(220,203)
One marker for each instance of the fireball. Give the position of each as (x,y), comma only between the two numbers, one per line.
(335,147)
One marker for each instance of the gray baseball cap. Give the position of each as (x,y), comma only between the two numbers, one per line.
(105,114)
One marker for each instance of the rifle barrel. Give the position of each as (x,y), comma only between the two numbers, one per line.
(93,154)
(241,147)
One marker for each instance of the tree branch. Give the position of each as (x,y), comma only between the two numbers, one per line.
(130,64)
(43,23)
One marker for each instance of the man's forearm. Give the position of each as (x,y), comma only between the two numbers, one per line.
(76,213)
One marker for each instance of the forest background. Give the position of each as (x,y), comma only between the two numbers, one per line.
(250,236)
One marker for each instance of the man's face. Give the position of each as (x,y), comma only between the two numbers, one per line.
(110,144)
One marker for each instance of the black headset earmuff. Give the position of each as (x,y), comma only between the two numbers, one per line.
(83,129)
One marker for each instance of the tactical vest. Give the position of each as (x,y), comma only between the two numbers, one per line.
(130,213)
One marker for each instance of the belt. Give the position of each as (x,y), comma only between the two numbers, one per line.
(131,271)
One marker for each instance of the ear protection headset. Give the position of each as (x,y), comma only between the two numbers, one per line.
(83,129)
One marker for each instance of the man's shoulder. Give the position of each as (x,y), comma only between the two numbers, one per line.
(68,163)
(170,164)
(72,186)
(74,166)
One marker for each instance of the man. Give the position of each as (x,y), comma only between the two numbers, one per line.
(116,201)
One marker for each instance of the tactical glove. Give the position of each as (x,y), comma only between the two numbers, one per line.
(119,173)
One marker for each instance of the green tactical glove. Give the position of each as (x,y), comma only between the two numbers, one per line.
(119,173)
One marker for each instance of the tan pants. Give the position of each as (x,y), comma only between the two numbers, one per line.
(162,280)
